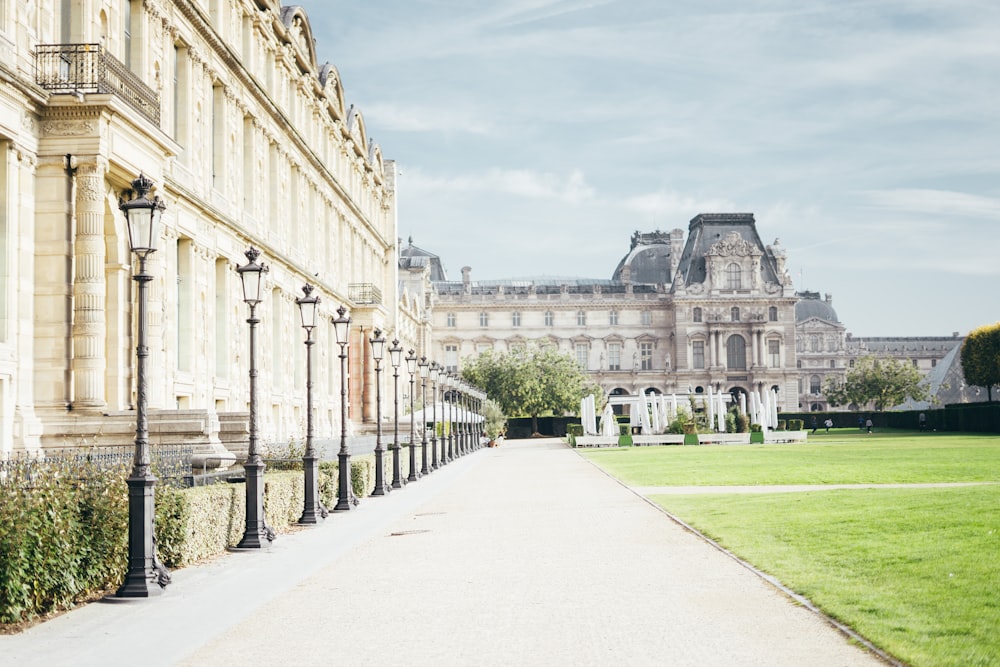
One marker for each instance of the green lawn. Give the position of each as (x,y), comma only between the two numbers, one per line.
(914,570)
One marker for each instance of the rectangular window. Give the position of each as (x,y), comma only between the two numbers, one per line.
(451,319)
(614,356)
(774,353)
(515,319)
(581,318)
(646,356)
(483,347)
(582,356)
(549,318)
(613,318)
(218,137)
(451,358)
(698,354)
(646,318)
(185,304)
(484,319)
(222,341)
(696,315)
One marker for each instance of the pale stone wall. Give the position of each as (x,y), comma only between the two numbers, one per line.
(255,145)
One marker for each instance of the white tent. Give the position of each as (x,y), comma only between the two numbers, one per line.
(588,415)
(654,400)
(609,427)
(644,414)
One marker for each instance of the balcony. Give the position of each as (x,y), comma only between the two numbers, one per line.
(89,68)
(364,294)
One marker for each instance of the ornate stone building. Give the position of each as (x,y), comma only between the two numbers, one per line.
(250,142)
(716,310)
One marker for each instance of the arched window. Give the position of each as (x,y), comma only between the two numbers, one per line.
(772,314)
(736,352)
(813,384)
(696,315)
(734,314)
(734,276)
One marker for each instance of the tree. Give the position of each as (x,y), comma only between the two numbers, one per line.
(883,383)
(530,381)
(981,357)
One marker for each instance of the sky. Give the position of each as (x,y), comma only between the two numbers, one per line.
(533,137)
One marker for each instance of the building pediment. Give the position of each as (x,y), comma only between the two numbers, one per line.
(733,245)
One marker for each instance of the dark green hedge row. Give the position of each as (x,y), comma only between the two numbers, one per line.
(965,417)
(63,530)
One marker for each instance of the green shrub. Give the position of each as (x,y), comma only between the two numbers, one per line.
(742,423)
(781,425)
(755,428)
(795,424)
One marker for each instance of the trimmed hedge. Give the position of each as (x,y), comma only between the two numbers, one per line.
(63,530)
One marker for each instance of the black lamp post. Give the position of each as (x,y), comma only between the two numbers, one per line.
(142,217)
(256,530)
(447,417)
(378,352)
(452,436)
(395,358)
(460,433)
(341,325)
(424,369)
(411,368)
(435,370)
(311,506)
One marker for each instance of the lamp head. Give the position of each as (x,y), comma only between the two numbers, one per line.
(142,217)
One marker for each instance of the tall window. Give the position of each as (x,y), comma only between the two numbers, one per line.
(127,33)
(451,319)
(451,358)
(613,318)
(814,384)
(582,356)
(219,137)
(815,344)
(734,314)
(646,356)
(182,100)
(774,353)
(185,303)
(515,318)
(549,318)
(772,314)
(696,315)
(736,352)
(581,318)
(614,356)
(5,198)
(484,319)
(734,276)
(222,341)
(698,354)
(646,318)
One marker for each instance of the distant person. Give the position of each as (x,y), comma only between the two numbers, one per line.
(814,423)
(868,424)
(861,423)
(828,423)
(922,420)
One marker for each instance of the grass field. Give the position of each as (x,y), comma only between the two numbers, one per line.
(914,570)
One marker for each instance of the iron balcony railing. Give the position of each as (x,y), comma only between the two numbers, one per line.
(89,68)
(364,294)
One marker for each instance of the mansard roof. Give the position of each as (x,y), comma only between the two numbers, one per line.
(708,229)
(648,260)
(811,306)
(414,258)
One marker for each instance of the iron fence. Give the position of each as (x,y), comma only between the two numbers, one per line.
(170,463)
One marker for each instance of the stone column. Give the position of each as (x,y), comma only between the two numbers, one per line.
(89,289)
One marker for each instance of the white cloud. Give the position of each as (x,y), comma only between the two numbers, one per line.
(570,188)
(935,202)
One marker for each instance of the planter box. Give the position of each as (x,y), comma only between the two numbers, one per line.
(756,436)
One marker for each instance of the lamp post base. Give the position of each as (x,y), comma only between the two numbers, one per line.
(343,483)
(312,509)
(146,576)
(257,533)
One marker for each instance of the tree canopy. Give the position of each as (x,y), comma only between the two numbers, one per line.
(530,381)
(882,383)
(981,357)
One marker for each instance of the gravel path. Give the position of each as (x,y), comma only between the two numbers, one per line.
(521,555)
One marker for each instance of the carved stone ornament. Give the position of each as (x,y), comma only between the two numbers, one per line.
(69,128)
(733,245)
(696,288)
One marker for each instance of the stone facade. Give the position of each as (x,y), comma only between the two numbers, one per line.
(716,311)
(249,141)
